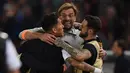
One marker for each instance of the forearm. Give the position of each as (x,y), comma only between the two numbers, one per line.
(31,33)
(28,35)
(77,54)
(81,65)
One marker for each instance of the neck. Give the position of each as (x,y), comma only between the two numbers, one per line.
(89,37)
(52,33)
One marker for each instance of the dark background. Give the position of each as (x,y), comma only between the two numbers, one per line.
(17,15)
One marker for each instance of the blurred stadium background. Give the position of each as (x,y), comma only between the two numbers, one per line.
(17,15)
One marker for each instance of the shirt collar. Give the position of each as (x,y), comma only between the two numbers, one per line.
(72,31)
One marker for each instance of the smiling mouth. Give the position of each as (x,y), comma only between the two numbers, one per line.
(67,22)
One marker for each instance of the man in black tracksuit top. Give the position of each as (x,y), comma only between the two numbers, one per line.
(41,57)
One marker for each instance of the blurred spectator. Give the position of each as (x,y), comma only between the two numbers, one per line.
(36,6)
(1,7)
(122,64)
(47,6)
(16,18)
(86,8)
(9,62)
(47,10)
(9,23)
(128,41)
(128,32)
(56,4)
(108,20)
(91,7)
(67,0)
(25,16)
(80,7)
(119,6)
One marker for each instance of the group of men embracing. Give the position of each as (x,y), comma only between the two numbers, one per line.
(80,50)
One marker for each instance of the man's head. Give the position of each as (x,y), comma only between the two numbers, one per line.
(90,26)
(52,24)
(119,47)
(110,12)
(10,10)
(67,13)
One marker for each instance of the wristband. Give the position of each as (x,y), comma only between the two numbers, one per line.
(97,70)
(23,34)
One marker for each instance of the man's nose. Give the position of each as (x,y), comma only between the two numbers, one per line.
(67,18)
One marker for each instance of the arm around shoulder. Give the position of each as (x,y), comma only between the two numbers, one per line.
(29,34)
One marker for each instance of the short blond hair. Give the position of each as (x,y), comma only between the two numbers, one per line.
(68,6)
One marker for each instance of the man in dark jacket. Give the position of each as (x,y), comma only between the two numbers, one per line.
(41,57)
(122,64)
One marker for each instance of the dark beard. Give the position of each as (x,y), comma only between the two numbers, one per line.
(83,35)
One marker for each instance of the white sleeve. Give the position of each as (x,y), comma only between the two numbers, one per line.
(37,29)
(97,70)
(12,60)
(65,54)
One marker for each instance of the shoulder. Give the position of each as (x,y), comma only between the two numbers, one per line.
(87,45)
(32,46)
(37,29)
(90,47)
(3,35)
(3,38)
(32,42)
